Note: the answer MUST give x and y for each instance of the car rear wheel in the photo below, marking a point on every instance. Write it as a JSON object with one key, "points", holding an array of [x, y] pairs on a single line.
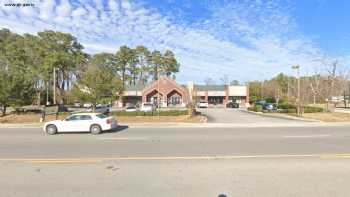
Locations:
{"points": [[51, 129], [95, 129]]}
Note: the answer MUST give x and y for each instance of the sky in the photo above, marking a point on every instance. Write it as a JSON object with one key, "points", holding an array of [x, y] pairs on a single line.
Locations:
{"points": [[234, 39]]}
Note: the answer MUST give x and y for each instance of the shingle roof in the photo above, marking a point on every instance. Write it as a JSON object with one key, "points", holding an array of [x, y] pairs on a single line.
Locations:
{"points": [[209, 87]]}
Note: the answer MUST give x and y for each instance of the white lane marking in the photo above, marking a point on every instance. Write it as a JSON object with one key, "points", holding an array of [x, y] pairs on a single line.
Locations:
{"points": [[123, 138], [307, 136], [101, 159]]}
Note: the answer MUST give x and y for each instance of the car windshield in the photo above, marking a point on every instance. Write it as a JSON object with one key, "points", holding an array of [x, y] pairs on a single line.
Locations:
{"points": [[147, 105], [130, 108], [102, 116]]}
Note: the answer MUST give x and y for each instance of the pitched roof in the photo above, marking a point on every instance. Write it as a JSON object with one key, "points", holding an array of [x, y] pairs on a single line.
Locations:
{"points": [[209, 87], [137, 87]]}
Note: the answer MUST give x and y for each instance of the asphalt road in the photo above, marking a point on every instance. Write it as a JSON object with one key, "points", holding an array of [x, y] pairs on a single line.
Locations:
{"points": [[278, 161]]}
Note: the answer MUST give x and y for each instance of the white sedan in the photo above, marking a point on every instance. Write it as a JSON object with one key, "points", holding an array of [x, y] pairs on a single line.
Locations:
{"points": [[93, 122]]}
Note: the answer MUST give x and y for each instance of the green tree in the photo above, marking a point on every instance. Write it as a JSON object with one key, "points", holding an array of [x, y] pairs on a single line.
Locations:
{"points": [[170, 64], [125, 57], [143, 58], [106, 60], [15, 90], [282, 81], [97, 85], [16, 87], [157, 64], [63, 52], [254, 91], [34, 61], [234, 83]]}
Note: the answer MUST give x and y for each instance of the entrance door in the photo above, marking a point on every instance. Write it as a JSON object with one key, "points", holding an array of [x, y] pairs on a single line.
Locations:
{"points": [[174, 99]]}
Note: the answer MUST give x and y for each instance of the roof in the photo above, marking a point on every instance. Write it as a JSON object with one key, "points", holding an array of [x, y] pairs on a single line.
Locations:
{"points": [[137, 87], [209, 87]]}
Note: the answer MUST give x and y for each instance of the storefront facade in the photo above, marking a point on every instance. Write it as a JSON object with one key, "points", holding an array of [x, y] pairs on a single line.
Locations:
{"points": [[171, 94]]}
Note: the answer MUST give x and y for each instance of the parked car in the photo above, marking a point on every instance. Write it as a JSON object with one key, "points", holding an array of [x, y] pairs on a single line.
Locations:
{"points": [[269, 106], [87, 105], [77, 104], [92, 122], [147, 107], [102, 105], [100, 109], [260, 102], [131, 109], [203, 104], [232, 105]]}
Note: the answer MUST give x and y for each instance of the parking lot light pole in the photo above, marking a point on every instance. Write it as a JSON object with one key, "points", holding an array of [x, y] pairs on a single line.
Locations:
{"points": [[297, 68]]}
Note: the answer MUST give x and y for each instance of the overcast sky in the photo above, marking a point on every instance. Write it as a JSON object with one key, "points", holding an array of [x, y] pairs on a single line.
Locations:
{"points": [[243, 39]]}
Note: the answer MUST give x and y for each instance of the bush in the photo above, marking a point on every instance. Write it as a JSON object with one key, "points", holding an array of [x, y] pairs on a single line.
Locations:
{"points": [[309, 109], [256, 108], [292, 111], [259, 108], [290, 108], [286, 106], [270, 100]]}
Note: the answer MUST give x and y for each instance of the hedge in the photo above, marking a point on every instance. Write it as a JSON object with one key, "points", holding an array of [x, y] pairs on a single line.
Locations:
{"points": [[309, 109], [286, 106], [256, 108], [154, 113]]}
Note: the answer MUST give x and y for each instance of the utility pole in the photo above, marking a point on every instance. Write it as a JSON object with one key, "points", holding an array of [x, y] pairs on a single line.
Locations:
{"points": [[262, 90], [158, 87], [288, 89], [47, 93], [297, 68], [54, 86], [348, 94]]}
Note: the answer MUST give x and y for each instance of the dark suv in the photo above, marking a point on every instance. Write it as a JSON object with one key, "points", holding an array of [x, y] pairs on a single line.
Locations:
{"points": [[232, 105]]}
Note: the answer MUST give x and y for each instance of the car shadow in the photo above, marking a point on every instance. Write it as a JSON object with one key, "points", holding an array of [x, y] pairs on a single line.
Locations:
{"points": [[120, 128]]}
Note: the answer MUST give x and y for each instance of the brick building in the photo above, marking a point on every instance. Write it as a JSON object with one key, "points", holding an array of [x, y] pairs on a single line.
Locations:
{"points": [[172, 94]]}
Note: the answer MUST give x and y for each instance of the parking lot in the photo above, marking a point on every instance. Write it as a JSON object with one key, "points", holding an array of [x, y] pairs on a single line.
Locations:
{"points": [[229, 115]]}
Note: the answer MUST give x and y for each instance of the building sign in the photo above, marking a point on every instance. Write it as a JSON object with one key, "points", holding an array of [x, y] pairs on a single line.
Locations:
{"points": [[130, 93], [138, 93], [216, 93], [200, 93], [238, 91]]}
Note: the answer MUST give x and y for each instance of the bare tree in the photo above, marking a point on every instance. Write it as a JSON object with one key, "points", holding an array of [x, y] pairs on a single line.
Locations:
{"points": [[314, 82], [225, 80], [209, 81]]}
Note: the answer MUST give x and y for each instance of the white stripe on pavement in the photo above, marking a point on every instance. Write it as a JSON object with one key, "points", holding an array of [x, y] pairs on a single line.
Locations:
{"points": [[123, 138], [307, 136]]}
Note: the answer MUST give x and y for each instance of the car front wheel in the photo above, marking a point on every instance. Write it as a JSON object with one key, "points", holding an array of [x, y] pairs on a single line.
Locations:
{"points": [[51, 129], [95, 129]]}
